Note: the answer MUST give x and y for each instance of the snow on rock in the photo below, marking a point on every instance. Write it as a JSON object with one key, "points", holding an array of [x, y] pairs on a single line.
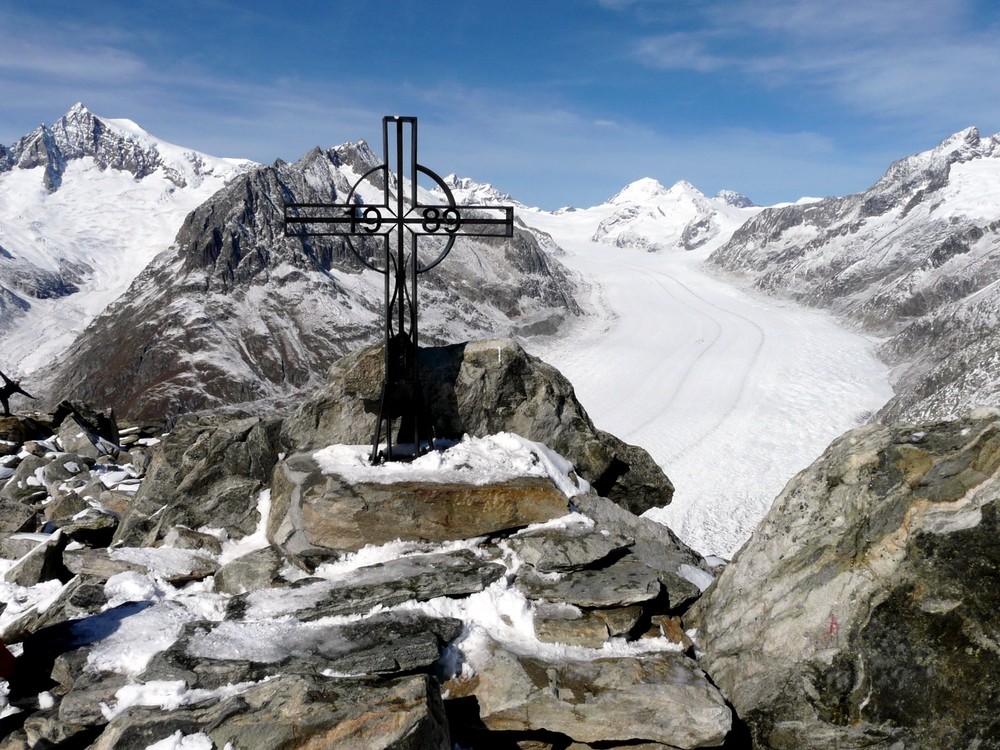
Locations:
{"points": [[487, 460], [147, 627]]}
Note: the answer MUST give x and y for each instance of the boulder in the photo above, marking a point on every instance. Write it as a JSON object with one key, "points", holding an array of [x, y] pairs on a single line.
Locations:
{"points": [[567, 548], [211, 655], [99, 427], [482, 388], [314, 514], [43, 563], [561, 623], [208, 472], [625, 582], [655, 697], [256, 570], [300, 711], [26, 485], [862, 611], [677, 566]]}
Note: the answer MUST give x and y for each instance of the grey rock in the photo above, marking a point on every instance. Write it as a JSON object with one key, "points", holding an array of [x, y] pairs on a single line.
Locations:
{"points": [[46, 728], [65, 504], [36, 617], [252, 572], [74, 438], [565, 549], [26, 485], [421, 577], [16, 546], [209, 471], [658, 697], [210, 655], [655, 545], [481, 388], [625, 582], [588, 628], [314, 515], [862, 609], [96, 563], [176, 566], [16, 517], [405, 713], [92, 527], [65, 466], [181, 537], [81, 705], [43, 563]]}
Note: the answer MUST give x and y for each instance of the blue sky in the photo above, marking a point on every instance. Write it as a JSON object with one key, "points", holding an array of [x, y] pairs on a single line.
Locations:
{"points": [[554, 101]]}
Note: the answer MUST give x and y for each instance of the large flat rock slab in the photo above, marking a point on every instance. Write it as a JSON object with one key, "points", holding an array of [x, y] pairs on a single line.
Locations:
{"points": [[315, 514], [418, 577], [300, 711]]}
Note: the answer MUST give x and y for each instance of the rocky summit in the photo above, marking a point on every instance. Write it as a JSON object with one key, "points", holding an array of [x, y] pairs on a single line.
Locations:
{"points": [[250, 581]]}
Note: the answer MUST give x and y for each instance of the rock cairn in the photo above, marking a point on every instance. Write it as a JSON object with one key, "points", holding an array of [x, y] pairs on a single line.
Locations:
{"points": [[222, 586]]}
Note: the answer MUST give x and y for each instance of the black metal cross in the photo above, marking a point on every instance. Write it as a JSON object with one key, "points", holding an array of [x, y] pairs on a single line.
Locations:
{"points": [[400, 216]]}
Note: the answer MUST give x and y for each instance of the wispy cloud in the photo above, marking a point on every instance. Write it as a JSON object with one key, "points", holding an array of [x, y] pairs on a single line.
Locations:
{"points": [[891, 58]]}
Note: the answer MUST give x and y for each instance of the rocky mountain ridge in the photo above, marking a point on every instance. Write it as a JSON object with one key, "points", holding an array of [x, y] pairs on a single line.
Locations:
{"points": [[915, 259], [113, 144]]}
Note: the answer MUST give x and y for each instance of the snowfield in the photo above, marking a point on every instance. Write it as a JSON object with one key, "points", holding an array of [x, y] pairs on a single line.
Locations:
{"points": [[730, 392]]}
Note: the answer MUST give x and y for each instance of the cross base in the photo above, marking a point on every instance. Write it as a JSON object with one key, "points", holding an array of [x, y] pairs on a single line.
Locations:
{"points": [[403, 399]]}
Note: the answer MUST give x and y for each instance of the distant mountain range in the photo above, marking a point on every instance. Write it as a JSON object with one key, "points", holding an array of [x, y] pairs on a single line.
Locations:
{"points": [[156, 278]]}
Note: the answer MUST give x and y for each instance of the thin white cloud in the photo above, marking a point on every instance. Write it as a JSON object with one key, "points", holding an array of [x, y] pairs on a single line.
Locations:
{"points": [[893, 58]]}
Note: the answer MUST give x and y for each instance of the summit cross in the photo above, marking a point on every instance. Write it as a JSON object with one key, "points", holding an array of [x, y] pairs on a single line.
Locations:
{"points": [[400, 220]]}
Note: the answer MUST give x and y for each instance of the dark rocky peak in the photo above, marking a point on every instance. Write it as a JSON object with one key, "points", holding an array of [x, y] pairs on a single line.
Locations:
{"points": [[359, 157], [734, 199], [76, 135], [236, 236], [322, 171], [39, 149], [79, 133]]}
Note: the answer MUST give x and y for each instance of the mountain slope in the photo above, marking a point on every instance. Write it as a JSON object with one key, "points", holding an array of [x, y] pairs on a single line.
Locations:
{"points": [[84, 206], [235, 311], [914, 258]]}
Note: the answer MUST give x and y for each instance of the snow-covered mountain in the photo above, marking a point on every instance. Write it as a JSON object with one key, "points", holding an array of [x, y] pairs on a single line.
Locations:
{"points": [[645, 215], [84, 206], [915, 258], [234, 310]]}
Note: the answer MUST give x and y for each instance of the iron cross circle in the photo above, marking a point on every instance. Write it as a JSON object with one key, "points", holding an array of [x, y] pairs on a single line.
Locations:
{"points": [[398, 214]]}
